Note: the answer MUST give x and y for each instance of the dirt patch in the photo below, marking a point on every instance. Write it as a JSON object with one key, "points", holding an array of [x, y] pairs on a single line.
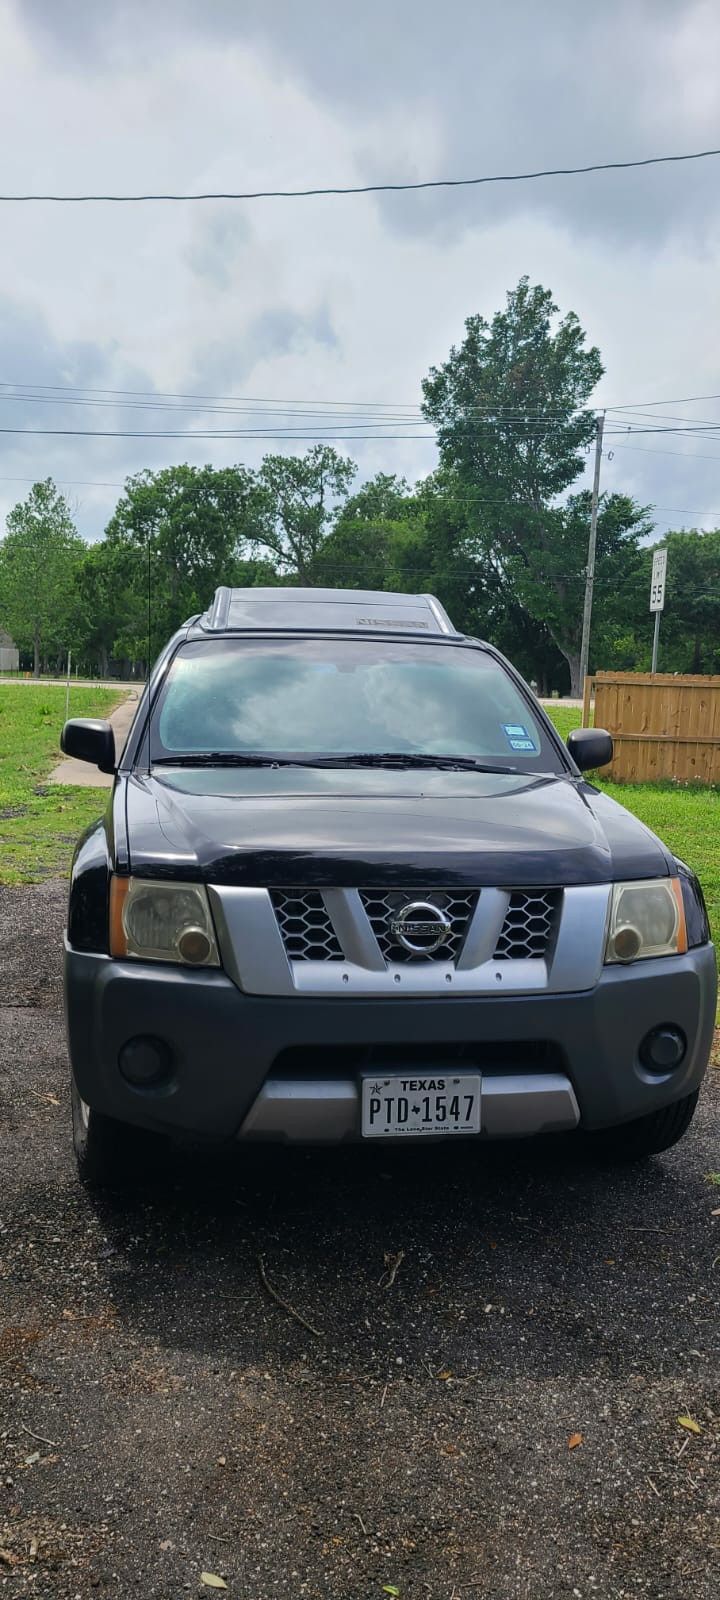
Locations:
{"points": [[31, 922], [44, 1544], [15, 1344]]}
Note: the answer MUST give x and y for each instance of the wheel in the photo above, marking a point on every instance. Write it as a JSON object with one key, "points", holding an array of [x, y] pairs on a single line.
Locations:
{"points": [[109, 1154], [634, 1141]]}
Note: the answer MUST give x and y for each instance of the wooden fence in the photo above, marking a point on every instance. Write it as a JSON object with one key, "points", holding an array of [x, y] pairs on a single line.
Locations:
{"points": [[663, 726]]}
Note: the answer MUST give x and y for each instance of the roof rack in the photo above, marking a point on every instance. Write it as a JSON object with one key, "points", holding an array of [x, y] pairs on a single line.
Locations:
{"points": [[337, 610]]}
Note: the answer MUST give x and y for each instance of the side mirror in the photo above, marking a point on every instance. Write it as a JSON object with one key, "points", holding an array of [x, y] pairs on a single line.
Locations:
{"points": [[89, 739], [590, 747]]}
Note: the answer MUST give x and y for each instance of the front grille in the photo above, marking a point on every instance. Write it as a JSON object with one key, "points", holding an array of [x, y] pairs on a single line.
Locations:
{"points": [[307, 932], [348, 1060], [529, 925], [382, 908]]}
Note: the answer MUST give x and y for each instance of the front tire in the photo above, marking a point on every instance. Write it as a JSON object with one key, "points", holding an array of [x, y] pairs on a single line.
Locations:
{"points": [[109, 1154], [648, 1136]]}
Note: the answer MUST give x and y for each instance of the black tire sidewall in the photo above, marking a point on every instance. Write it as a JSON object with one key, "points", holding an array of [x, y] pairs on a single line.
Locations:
{"points": [[648, 1136]]}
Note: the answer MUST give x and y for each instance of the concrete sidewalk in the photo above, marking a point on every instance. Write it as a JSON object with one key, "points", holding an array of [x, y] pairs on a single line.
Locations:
{"points": [[80, 773]]}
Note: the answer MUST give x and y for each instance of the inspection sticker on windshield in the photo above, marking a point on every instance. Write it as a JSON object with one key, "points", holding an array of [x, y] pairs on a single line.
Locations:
{"points": [[518, 737]]}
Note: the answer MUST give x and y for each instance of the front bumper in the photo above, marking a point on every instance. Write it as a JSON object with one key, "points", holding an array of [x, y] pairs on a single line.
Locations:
{"points": [[288, 1068]]}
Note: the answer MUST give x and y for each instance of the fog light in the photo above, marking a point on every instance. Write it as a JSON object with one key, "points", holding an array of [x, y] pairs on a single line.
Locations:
{"points": [[663, 1049], [626, 944], [145, 1062], [194, 946]]}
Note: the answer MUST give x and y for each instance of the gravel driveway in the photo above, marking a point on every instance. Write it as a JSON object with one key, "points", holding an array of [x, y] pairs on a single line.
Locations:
{"points": [[488, 1406]]}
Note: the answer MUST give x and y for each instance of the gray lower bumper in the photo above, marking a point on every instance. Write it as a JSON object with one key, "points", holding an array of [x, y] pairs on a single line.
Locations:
{"points": [[246, 1065], [318, 1111]]}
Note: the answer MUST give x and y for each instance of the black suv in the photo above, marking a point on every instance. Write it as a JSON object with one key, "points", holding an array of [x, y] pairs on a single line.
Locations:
{"points": [[351, 885]]}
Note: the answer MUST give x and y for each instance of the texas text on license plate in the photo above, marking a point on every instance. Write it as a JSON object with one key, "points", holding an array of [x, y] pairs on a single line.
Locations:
{"points": [[409, 1106]]}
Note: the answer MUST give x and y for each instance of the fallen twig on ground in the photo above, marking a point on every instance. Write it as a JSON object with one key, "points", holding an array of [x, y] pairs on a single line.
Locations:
{"points": [[285, 1304], [53, 1443], [392, 1267]]}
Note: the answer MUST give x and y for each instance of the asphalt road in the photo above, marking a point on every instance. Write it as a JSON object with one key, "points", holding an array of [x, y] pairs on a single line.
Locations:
{"points": [[162, 1416]]}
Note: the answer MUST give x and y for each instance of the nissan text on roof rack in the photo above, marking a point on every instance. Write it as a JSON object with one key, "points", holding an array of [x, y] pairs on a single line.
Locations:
{"points": [[350, 885]]}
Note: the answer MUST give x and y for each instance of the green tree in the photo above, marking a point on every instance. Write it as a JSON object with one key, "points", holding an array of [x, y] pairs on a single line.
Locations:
{"points": [[473, 582], [510, 409], [391, 537], [191, 524], [384, 498], [110, 608], [377, 539], [555, 595], [690, 623], [39, 558], [302, 496]]}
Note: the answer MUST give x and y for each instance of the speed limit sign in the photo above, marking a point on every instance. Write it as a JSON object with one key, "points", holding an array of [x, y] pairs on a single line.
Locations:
{"points": [[657, 581]]}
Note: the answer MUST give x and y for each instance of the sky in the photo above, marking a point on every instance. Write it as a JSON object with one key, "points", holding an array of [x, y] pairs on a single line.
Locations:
{"points": [[347, 299]]}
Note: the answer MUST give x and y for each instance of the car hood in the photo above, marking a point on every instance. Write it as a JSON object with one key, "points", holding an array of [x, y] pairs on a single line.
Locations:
{"points": [[363, 826]]}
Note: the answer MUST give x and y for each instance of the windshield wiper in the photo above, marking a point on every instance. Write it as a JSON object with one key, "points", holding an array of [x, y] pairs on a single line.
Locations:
{"points": [[392, 760], [223, 758], [396, 760]]}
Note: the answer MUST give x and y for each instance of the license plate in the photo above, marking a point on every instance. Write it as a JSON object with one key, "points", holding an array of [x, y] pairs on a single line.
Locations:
{"points": [[408, 1107]]}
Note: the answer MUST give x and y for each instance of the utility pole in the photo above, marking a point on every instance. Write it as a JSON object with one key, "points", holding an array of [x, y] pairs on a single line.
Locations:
{"points": [[590, 572]]}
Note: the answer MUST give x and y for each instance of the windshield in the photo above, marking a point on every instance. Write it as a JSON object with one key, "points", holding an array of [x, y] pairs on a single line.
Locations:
{"points": [[338, 697]]}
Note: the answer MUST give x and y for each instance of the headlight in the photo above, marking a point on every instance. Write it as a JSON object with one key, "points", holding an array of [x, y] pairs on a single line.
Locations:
{"points": [[696, 917], [646, 919], [162, 922]]}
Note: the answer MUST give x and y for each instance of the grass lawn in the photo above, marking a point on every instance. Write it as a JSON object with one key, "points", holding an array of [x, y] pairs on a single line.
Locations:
{"points": [[687, 820], [39, 826], [565, 718]]}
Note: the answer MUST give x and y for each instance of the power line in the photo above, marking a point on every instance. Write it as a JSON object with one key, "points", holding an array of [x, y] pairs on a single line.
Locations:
{"points": [[686, 455], [623, 415], [365, 188], [683, 400], [533, 432], [81, 392], [282, 404], [352, 420], [67, 483], [189, 436], [348, 433], [127, 400], [166, 394], [367, 429], [698, 430], [355, 418]]}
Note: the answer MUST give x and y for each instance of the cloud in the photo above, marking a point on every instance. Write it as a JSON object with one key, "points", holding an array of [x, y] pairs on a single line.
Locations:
{"points": [[354, 298], [496, 88], [217, 250], [224, 365]]}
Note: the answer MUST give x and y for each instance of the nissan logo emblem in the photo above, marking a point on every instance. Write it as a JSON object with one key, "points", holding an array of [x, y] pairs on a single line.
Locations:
{"points": [[420, 928]]}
